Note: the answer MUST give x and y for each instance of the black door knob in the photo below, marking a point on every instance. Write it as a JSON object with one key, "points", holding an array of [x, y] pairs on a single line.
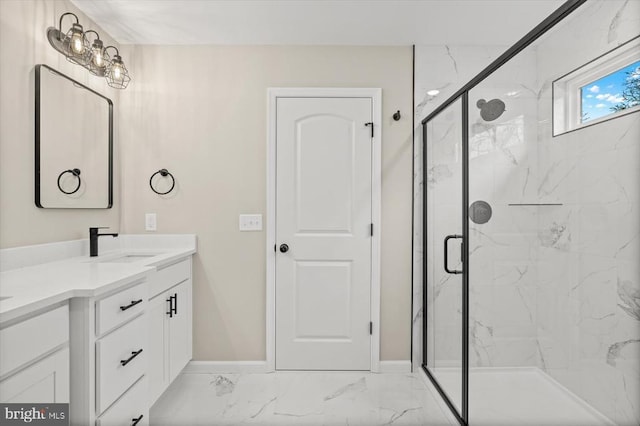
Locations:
{"points": [[284, 248]]}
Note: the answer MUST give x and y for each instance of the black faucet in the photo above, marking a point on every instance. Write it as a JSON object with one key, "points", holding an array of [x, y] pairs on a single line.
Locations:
{"points": [[93, 240]]}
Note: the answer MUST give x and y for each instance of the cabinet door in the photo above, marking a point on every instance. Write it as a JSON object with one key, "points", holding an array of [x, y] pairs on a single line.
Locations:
{"points": [[157, 361], [180, 329], [46, 381]]}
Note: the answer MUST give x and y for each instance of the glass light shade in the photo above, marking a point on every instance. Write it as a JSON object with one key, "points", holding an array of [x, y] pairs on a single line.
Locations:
{"points": [[77, 46], [99, 58], [117, 74]]}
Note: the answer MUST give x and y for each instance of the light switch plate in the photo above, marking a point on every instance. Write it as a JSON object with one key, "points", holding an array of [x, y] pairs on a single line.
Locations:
{"points": [[150, 222], [250, 222]]}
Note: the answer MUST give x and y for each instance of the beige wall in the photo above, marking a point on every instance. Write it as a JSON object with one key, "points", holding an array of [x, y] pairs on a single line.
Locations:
{"points": [[201, 113], [23, 44]]}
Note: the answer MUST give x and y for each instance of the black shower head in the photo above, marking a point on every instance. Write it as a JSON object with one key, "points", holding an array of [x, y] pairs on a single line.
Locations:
{"points": [[491, 110]]}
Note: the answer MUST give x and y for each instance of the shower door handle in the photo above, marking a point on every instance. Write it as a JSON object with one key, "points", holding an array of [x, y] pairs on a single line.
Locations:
{"points": [[446, 254]]}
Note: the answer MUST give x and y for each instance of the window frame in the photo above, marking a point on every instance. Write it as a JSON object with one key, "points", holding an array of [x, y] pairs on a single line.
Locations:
{"points": [[567, 90]]}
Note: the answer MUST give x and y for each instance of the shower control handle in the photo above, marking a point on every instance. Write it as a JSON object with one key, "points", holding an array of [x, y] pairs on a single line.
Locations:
{"points": [[446, 253]]}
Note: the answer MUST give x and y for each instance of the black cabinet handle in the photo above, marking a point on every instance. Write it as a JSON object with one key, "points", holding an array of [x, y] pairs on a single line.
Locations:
{"points": [[170, 300], [175, 303], [130, 305], [128, 360], [134, 422]]}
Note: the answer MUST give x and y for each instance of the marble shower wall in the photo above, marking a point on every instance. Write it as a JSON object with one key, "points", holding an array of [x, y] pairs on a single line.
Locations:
{"points": [[502, 263], [554, 287], [588, 254], [444, 291], [446, 69]]}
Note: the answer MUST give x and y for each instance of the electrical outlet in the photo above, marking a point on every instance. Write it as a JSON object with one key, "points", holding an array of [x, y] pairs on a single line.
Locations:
{"points": [[150, 222], [250, 222]]}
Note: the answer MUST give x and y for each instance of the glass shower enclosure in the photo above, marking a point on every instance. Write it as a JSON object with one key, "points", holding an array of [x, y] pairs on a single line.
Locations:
{"points": [[532, 224]]}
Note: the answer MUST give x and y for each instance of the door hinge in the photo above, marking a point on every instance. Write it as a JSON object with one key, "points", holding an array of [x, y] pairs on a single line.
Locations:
{"points": [[370, 124], [371, 328], [372, 229]]}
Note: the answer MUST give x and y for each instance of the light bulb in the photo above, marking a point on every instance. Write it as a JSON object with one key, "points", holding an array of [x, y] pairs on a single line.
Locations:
{"points": [[98, 59], [77, 46], [117, 72], [97, 56]]}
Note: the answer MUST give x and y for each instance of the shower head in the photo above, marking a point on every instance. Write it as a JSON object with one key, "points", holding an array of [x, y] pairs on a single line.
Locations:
{"points": [[491, 110]]}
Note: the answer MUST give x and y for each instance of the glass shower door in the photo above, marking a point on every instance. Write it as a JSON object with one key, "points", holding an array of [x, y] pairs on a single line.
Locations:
{"points": [[443, 177]]}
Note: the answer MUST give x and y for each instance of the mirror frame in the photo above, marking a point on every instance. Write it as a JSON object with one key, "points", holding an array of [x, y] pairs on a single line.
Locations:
{"points": [[38, 159]]}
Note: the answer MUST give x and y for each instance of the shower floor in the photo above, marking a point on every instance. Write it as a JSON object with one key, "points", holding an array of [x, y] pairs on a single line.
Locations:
{"points": [[522, 396]]}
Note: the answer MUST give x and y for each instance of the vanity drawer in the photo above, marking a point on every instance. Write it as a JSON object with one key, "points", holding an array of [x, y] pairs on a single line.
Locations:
{"points": [[120, 361], [167, 277], [120, 307], [33, 337], [126, 410]]}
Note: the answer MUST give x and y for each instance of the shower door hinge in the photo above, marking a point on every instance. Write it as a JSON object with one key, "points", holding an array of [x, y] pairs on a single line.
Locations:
{"points": [[371, 229], [370, 328], [370, 124]]}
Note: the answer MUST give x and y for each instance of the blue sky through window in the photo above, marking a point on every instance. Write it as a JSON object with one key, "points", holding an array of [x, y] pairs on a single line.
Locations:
{"points": [[598, 97]]}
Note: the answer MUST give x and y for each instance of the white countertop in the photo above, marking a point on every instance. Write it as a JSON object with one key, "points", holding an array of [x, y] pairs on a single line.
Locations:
{"points": [[35, 287]]}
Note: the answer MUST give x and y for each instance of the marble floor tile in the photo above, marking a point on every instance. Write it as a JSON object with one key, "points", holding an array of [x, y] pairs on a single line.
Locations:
{"points": [[299, 398]]}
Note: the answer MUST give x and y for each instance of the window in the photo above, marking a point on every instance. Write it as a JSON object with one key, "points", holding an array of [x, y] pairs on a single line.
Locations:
{"points": [[613, 93], [605, 88]]}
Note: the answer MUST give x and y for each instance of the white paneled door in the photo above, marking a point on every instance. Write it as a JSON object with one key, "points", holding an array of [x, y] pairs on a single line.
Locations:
{"points": [[323, 233]]}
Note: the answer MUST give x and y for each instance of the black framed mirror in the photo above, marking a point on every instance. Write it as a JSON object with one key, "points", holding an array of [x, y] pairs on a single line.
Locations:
{"points": [[73, 143]]}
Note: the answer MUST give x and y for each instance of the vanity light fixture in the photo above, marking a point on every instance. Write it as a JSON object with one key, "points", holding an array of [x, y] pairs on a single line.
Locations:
{"points": [[93, 56], [116, 73], [73, 44]]}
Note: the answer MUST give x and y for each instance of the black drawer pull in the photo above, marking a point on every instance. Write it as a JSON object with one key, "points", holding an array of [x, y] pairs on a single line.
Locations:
{"points": [[175, 303], [170, 300], [130, 305], [134, 422], [133, 355]]}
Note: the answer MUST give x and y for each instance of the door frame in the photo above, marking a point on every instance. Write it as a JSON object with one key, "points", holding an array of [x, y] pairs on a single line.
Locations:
{"points": [[375, 94]]}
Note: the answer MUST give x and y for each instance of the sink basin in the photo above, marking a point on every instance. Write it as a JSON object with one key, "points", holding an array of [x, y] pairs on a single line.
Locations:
{"points": [[5, 297], [129, 258]]}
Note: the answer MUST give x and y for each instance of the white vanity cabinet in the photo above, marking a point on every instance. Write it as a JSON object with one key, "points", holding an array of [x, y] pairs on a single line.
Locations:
{"points": [[107, 335], [34, 358], [109, 352], [169, 325]]}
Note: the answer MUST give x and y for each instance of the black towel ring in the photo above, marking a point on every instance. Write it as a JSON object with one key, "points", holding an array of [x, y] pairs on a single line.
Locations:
{"points": [[163, 173], [76, 173]]}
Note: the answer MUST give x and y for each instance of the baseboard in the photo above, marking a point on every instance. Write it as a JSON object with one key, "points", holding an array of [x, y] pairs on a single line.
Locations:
{"points": [[217, 367], [403, 366]]}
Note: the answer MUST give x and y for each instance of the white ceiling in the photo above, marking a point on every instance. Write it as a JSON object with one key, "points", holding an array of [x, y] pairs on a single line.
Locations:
{"points": [[313, 22]]}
